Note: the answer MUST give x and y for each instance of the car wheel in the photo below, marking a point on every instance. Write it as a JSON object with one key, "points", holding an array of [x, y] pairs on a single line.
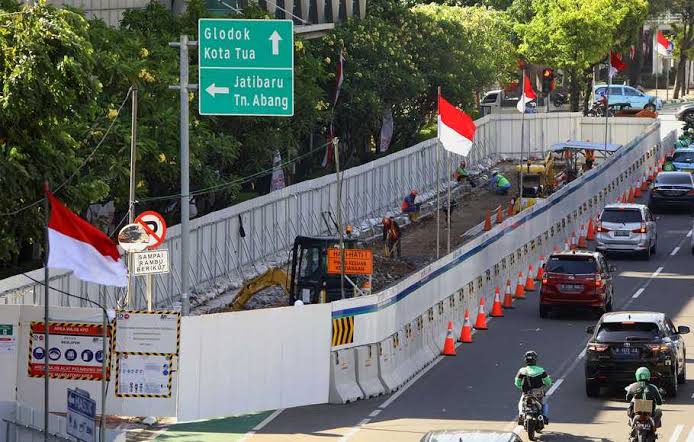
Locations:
{"points": [[608, 306], [688, 117], [650, 107], [682, 378], [592, 389], [653, 247], [646, 254], [671, 386], [692, 250], [544, 311]]}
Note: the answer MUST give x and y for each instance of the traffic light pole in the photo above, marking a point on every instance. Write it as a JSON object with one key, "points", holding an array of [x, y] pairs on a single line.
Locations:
{"points": [[184, 87]]}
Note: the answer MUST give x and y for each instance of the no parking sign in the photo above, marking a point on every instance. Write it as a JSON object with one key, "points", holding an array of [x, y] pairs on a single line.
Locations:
{"points": [[154, 225]]}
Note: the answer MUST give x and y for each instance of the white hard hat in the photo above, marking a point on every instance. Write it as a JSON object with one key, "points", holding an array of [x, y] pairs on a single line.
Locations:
{"points": [[298, 302]]}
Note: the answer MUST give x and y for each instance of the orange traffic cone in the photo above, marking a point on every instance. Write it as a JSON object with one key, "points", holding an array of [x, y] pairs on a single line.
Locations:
{"points": [[540, 269], [497, 312], [630, 196], [508, 296], [466, 331], [637, 189], [590, 236], [529, 281], [644, 183], [520, 289], [488, 221], [510, 207], [449, 343], [481, 322], [499, 215], [582, 238]]}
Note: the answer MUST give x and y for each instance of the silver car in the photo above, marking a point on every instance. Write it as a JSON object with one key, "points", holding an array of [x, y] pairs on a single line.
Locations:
{"points": [[627, 228]]}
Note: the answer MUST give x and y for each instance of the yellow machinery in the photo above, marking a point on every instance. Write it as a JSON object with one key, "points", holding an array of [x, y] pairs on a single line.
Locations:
{"points": [[270, 278], [538, 182]]}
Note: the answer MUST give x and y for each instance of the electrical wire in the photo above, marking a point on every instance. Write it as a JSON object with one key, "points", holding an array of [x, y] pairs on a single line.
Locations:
{"points": [[84, 163]]}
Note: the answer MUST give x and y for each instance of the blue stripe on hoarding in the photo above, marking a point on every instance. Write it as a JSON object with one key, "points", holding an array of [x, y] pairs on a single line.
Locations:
{"points": [[372, 308]]}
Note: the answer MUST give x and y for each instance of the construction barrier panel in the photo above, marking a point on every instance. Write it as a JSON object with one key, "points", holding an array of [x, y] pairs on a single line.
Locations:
{"points": [[367, 371], [344, 387]]}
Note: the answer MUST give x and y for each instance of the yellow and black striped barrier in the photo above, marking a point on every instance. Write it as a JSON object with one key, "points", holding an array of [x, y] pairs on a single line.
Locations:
{"points": [[343, 331]]}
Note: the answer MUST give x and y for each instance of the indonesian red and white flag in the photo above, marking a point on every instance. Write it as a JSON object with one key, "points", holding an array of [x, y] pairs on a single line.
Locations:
{"points": [[527, 94], [664, 46], [339, 75], [456, 128], [329, 154], [616, 64], [76, 245]]}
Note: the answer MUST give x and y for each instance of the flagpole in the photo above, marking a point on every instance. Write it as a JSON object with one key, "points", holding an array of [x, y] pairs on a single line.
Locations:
{"points": [[438, 178], [448, 215], [45, 318], [667, 80], [340, 232], [520, 161], [607, 93]]}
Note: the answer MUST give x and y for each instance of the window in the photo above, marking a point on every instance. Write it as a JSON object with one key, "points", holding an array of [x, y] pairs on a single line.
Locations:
{"points": [[600, 90], [627, 331], [621, 216], [674, 178], [629, 92], [310, 262], [670, 327], [490, 98], [573, 265], [683, 157], [616, 90]]}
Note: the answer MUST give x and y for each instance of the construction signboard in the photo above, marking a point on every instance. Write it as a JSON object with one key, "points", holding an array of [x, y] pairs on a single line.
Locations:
{"points": [[76, 350], [143, 376], [148, 333], [357, 261]]}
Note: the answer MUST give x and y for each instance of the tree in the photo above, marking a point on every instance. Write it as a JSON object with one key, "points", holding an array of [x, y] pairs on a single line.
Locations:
{"points": [[575, 35], [684, 41]]}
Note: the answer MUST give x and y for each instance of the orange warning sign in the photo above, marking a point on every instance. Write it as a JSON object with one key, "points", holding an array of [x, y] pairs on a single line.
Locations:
{"points": [[357, 261]]}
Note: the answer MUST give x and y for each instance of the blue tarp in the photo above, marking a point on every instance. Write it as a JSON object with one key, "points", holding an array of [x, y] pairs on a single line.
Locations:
{"points": [[580, 145]]}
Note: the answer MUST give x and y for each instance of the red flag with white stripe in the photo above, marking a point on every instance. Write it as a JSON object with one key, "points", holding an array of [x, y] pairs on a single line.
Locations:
{"points": [[76, 245], [527, 94], [339, 75], [616, 64], [456, 128], [328, 157]]}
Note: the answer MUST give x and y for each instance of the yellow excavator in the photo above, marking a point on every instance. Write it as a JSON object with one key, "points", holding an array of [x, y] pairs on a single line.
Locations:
{"points": [[309, 282], [538, 181]]}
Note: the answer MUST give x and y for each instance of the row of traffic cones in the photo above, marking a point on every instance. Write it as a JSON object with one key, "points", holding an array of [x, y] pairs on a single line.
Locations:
{"points": [[498, 307], [499, 216]]}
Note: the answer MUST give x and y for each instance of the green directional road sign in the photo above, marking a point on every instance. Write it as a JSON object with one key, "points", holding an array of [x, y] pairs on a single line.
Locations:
{"points": [[246, 67]]}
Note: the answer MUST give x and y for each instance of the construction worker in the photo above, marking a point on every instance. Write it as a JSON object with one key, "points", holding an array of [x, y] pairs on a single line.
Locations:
{"points": [[501, 183], [410, 207], [461, 174], [348, 231], [590, 158], [391, 237], [532, 379]]}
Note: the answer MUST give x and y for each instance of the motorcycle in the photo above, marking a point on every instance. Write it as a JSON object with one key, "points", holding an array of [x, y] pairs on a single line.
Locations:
{"points": [[641, 421], [532, 415], [598, 110], [559, 99]]}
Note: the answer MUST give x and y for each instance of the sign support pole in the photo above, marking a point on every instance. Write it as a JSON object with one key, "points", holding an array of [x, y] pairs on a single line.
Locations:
{"points": [[131, 198], [184, 87], [102, 424], [448, 214], [438, 182], [45, 320], [336, 152], [148, 285]]}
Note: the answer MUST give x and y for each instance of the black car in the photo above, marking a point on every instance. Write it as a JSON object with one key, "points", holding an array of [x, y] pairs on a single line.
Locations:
{"points": [[672, 189], [621, 342]]}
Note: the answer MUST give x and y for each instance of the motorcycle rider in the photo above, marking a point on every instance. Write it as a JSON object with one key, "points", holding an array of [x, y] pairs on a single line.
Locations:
{"points": [[532, 379], [643, 389]]}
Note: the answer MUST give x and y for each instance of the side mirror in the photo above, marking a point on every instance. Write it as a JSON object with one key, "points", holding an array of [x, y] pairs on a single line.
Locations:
{"points": [[682, 330], [662, 392], [590, 329], [612, 268], [668, 159]]}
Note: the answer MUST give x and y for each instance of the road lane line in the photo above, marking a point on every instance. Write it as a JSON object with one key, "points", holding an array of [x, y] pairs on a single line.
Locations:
{"points": [[676, 434], [690, 437], [261, 425], [375, 413], [554, 387], [581, 355], [638, 293], [657, 272], [689, 234], [675, 250]]}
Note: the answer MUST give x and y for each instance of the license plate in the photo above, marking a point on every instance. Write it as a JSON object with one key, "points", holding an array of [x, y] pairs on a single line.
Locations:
{"points": [[621, 233], [674, 193], [626, 352], [570, 287]]}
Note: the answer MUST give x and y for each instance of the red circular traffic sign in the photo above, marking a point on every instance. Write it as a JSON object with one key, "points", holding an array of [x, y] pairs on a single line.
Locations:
{"points": [[154, 225]]}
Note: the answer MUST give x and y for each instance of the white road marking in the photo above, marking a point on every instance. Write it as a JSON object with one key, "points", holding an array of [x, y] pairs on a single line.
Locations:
{"points": [[657, 272], [690, 437], [638, 293], [581, 355], [554, 387], [675, 250], [692, 393], [262, 424], [689, 234], [375, 413], [676, 434]]}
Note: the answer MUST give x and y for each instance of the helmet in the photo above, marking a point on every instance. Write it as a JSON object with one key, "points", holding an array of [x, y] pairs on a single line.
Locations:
{"points": [[413, 192], [643, 374], [530, 358], [495, 173]]}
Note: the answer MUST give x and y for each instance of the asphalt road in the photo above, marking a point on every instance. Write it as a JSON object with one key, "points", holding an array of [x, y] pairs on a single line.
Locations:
{"points": [[475, 390]]}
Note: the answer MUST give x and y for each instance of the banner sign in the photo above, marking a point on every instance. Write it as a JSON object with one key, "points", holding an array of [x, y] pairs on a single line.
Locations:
{"points": [[150, 333], [357, 261], [143, 376]]}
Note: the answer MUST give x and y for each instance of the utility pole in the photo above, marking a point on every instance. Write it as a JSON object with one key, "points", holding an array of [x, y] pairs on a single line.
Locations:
{"points": [[183, 87], [340, 229], [131, 198], [438, 181]]}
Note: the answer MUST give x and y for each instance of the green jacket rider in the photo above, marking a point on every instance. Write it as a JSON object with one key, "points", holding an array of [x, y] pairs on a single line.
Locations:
{"points": [[532, 379], [643, 389]]}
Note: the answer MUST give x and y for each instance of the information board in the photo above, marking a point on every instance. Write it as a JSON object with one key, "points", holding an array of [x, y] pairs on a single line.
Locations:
{"points": [[81, 415], [154, 333], [357, 261], [143, 376]]}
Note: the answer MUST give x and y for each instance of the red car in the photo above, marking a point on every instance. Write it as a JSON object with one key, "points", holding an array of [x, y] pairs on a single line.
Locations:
{"points": [[576, 279]]}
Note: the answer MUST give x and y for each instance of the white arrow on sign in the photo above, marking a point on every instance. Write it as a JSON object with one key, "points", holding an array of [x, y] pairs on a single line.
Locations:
{"points": [[275, 37], [212, 90]]}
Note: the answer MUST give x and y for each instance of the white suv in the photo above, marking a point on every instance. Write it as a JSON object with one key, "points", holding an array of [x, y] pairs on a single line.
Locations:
{"points": [[627, 228]]}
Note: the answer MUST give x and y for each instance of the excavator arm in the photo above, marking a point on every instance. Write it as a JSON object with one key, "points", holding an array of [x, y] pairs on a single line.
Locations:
{"points": [[271, 277]]}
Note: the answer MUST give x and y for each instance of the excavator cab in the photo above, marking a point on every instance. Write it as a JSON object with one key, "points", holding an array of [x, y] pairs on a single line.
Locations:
{"points": [[309, 273]]}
